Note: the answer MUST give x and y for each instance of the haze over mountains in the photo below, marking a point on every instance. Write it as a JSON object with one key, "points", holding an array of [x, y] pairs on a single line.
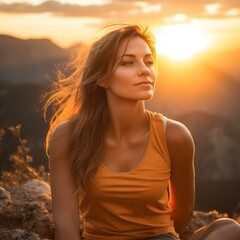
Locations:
{"points": [[27, 61], [203, 93]]}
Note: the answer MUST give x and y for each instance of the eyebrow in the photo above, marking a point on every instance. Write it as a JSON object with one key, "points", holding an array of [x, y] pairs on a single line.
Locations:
{"points": [[132, 55]]}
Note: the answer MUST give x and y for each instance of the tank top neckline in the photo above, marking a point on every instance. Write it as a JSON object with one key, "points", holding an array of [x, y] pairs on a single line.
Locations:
{"points": [[145, 153]]}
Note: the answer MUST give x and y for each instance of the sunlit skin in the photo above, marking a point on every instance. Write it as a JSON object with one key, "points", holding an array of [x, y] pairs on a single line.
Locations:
{"points": [[181, 42], [131, 83], [134, 77]]}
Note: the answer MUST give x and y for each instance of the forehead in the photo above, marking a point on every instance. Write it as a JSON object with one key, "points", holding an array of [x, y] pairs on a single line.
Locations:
{"points": [[135, 45]]}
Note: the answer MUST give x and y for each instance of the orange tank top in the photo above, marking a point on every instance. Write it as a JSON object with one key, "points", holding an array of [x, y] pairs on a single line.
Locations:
{"points": [[132, 205]]}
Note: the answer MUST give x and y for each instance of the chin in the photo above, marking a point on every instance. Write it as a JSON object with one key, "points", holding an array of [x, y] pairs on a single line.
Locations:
{"points": [[147, 95], [147, 98], [139, 96]]}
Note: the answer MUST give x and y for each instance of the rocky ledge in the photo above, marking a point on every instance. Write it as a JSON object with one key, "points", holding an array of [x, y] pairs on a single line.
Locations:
{"points": [[26, 213]]}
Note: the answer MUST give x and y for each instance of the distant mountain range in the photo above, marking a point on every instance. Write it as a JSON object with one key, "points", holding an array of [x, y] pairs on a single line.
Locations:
{"points": [[203, 93], [31, 59], [228, 61], [197, 86]]}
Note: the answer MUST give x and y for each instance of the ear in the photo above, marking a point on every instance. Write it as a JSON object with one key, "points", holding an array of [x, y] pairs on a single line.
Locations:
{"points": [[102, 83]]}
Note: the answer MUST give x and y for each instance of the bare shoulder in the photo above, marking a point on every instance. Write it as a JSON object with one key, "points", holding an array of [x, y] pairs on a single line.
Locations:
{"points": [[60, 139], [177, 132], [179, 140]]}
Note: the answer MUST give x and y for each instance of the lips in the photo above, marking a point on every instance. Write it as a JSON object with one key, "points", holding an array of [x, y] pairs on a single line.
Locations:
{"points": [[144, 82]]}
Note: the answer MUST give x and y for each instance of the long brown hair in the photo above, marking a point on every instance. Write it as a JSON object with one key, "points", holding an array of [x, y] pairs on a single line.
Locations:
{"points": [[81, 101]]}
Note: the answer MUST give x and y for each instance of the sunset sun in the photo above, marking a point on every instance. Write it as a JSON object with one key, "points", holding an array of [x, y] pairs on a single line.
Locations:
{"points": [[181, 42]]}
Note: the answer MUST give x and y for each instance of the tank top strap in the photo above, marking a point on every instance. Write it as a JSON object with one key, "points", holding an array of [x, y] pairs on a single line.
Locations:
{"points": [[160, 116], [159, 126], [165, 122]]}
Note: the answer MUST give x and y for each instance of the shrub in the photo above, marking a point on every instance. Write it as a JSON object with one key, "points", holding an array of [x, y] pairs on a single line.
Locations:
{"points": [[21, 169]]}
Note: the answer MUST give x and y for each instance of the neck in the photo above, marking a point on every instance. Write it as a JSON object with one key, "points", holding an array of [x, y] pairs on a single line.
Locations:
{"points": [[126, 119]]}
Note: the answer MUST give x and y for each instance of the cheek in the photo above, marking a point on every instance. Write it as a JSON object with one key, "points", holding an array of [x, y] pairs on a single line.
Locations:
{"points": [[121, 78], [120, 84], [154, 74]]}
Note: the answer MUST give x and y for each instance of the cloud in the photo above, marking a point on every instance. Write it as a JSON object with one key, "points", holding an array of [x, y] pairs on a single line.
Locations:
{"points": [[152, 11], [73, 10], [213, 8], [233, 12]]}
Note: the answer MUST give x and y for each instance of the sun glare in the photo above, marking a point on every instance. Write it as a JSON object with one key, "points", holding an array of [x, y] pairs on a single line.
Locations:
{"points": [[181, 42]]}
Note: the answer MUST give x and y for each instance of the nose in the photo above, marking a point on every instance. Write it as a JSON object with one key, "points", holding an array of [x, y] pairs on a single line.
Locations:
{"points": [[144, 70]]}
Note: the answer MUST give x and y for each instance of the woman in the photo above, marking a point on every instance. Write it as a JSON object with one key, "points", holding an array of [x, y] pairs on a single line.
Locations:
{"points": [[129, 172]]}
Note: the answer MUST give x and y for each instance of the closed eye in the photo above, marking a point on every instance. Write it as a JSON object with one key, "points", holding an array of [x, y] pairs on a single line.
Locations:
{"points": [[149, 63], [124, 63]]}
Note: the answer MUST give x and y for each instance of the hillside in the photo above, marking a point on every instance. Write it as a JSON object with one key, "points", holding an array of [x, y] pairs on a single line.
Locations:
{"points": [[19, 52], [28, 61]]}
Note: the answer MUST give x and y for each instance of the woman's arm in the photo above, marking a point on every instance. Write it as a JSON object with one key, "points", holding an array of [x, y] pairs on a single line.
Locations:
{"points": [[182, 183], [64, 202]]}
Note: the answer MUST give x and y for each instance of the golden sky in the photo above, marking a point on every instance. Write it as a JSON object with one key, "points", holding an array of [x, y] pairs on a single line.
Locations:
{"points": [[177, 24]]}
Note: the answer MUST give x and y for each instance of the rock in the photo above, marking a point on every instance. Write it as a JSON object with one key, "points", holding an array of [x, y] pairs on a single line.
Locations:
{"points": [[37, 187], [200, 219], [19, 234], [35, 217], [5, 234], [4, 194], [6, 203], [32, 190], [29, 211]]}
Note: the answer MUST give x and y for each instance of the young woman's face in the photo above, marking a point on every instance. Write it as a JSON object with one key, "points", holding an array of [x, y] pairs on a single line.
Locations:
{"points": [[134, 76]]}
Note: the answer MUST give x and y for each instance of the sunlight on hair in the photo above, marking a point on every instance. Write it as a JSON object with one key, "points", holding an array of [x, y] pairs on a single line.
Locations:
{"points": [[181, 42]]}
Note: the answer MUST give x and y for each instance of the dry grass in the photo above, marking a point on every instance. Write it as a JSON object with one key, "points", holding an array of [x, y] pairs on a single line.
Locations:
{"points": [[21, 169]]}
